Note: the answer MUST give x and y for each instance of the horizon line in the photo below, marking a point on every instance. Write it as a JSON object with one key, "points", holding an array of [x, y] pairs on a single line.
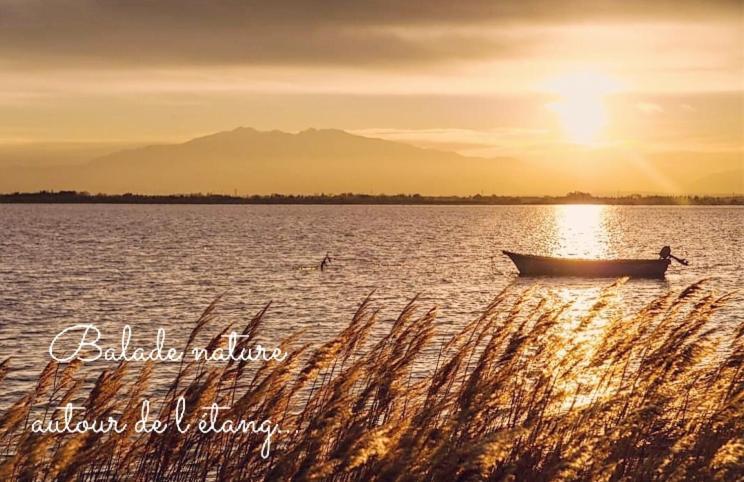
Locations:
{"points": [[350, 198]]}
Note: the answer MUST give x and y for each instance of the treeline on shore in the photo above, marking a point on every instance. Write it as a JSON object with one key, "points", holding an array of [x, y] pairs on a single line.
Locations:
{"points": [[82, 197]]}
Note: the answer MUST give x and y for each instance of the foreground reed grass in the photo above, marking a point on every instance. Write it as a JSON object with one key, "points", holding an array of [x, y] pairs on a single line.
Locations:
{"points": [[527, 391]]}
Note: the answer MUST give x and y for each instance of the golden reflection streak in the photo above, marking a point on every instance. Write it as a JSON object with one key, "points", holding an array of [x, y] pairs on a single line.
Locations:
{"points": [[580, 231], [584, 329]]}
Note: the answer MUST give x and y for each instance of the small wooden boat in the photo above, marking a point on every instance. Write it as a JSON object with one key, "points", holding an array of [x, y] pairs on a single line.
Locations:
{"points": [[531, 265]]}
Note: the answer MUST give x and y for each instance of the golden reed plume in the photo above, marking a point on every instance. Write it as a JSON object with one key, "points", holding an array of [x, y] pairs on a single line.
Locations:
{"points": [[518, 394]]}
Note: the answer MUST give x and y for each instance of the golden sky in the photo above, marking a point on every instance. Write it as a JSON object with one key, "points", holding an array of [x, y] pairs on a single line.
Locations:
{"points": [[534, 79]]}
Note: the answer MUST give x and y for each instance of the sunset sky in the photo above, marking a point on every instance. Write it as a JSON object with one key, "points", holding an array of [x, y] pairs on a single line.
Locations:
{"points": [[526, 79]]}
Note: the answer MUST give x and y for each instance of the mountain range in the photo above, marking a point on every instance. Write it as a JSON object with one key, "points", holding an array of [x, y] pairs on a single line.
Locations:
{"points": [[248, 161]]}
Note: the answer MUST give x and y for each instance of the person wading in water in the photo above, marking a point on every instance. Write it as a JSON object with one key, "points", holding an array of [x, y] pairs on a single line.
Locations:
{"points": [[326, 261]]}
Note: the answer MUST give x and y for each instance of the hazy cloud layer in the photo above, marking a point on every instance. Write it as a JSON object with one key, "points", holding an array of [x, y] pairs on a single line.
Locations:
{"points": [[478, 77], [87, 33]]}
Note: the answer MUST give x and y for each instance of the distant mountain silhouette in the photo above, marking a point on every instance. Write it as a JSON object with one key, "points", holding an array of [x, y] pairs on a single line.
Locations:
{"points": [[331, 161], [252, 161]]}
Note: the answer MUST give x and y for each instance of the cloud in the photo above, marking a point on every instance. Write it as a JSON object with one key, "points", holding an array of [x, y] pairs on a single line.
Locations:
{"points": [[187, 32], [135, 69], [501, 142], [649, 108]]}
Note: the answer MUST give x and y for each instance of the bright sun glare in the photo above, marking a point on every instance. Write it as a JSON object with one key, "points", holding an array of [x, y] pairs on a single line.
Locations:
{"points": [[581, 231], [580, 106]]}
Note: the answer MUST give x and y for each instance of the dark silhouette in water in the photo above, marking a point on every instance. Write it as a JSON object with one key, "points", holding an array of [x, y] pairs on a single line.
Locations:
{"points": [[666, 252], [532, 265], [326, 261]]}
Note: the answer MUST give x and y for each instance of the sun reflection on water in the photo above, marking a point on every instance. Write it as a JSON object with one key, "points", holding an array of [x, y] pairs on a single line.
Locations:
{"points": [[581, 231], [583, 330]]}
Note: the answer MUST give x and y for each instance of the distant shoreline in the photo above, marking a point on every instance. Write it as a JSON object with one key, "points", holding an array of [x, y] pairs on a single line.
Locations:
{"points": [[74, 197]]}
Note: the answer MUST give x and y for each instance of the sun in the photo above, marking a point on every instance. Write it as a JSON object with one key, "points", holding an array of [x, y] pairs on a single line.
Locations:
{"points": [[580, 105]]}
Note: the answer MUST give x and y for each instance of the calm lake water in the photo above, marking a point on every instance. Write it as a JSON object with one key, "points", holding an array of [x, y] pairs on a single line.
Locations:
{"points": [[152, 266]]}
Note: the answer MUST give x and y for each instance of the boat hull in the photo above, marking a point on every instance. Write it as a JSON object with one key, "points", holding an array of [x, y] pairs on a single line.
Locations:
{"points": [[530, 265]]}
